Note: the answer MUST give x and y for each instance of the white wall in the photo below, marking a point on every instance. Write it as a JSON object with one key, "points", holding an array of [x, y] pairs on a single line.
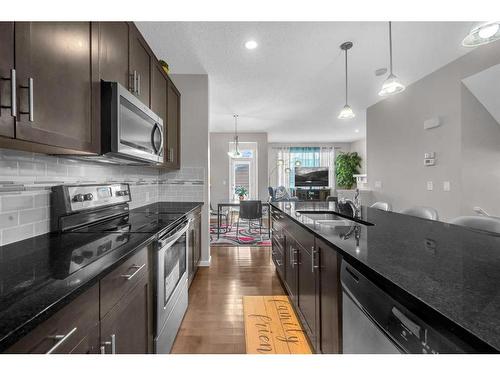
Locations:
{"points": [[397, 141], [219, 164], [360, 147], [194, 150]]}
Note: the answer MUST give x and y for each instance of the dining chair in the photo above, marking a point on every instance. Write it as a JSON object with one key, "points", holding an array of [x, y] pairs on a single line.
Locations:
{"points": [[250, 210], [487, 223], [422, 212], [384, 206]]}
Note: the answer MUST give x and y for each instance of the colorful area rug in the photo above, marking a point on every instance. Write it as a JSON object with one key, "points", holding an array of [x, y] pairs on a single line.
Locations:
{"points": [[246, 237], [272, 327]]}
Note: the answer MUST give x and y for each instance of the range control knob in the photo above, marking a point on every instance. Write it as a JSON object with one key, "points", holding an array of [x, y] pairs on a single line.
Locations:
{"points": [[122, 193], [78, 198], [88, 197]]}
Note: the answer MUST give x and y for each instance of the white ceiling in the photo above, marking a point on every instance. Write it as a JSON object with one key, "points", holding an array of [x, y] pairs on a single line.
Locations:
{"points": [[292, 85]]}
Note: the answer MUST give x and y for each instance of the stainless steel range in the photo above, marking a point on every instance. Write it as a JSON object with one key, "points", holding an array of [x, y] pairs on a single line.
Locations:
{"points": [[104, 209]]}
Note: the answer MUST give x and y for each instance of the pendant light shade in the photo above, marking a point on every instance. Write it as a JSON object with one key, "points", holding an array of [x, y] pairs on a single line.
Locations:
{"points": [[236, 151], [346, 112], [392, 85], [483, 34]]}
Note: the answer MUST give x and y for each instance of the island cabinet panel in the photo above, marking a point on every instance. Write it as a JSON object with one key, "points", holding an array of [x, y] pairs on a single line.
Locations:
{"points": [[291, 267], [308, 291], [331, 299], [140, 65], [56, 70], [173, 127], [127, 328], [73, 329], [114, 52], [7, 92]]}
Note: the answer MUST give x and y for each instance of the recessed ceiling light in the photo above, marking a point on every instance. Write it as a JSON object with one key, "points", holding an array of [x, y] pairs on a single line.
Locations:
{"points": [[251, 44], [356, 131]]}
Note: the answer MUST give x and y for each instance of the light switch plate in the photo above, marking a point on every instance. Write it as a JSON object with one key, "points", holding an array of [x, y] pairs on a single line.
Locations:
{"points": [[430, 186], [446, 186]]}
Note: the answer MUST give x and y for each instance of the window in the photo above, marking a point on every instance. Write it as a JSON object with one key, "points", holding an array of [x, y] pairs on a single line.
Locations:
{"points": [[306, 156]]}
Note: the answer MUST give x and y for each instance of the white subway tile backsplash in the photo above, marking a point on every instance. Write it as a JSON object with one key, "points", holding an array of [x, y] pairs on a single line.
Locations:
{"points": [[17, 202], [9, 219], [18, 233], [26, 179], [33, 215]]}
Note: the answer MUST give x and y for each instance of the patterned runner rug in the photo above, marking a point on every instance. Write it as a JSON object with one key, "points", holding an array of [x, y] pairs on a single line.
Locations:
{"points": [[246, 237]]}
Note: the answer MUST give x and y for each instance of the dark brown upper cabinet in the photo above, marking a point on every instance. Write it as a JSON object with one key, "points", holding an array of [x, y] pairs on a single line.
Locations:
{"points": [[159, 95], [114, 52], [173, 127], [139, 66], [7, 77], [55, 65]]}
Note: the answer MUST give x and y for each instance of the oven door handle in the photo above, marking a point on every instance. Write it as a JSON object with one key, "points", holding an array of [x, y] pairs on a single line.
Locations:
{"points": [[167, 242]]}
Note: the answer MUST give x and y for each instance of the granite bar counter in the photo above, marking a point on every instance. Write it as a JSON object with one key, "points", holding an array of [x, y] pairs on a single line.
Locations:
{"points": [[449, 273]]}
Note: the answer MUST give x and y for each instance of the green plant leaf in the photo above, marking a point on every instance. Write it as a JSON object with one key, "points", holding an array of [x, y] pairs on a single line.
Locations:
{"points": [[346, 165]]}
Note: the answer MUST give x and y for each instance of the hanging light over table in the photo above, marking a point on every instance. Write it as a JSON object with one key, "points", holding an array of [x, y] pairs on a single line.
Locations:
{"points": [[346, 112]]}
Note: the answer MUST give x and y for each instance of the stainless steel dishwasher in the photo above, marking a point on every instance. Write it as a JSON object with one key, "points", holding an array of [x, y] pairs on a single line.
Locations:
{"points": [[375, 323]]}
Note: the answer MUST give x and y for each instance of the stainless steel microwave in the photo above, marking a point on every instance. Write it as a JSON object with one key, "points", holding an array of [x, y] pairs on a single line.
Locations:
{"points": [[131, 133]]}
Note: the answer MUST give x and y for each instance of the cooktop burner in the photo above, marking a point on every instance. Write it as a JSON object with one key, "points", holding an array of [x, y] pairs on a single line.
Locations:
{"points": [[133, 222]]}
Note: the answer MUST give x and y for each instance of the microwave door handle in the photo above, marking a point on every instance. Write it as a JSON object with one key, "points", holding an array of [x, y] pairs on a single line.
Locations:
{"points": [[161, 139], [153, 131]]}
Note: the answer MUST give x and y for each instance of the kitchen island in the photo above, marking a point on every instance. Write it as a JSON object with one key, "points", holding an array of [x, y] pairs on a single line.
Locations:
{"points": [[446, 274]]}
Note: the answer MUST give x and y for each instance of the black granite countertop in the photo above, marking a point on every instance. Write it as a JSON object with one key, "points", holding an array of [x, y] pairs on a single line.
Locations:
{"points": [[40, 275], [447, 272]]}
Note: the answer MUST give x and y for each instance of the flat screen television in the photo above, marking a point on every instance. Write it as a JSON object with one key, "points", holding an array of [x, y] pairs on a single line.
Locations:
{"points": [[311, 176]]}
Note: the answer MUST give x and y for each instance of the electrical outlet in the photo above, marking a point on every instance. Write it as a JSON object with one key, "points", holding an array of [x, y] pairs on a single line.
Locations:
{"points": [[430, 186], [446, 186]]}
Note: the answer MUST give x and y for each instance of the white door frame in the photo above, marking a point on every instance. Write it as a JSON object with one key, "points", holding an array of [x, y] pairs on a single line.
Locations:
{"points": [[253, 170]]}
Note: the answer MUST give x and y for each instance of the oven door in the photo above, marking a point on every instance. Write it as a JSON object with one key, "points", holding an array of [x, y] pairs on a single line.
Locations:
{"points": [[171, 270], [136, 131]]}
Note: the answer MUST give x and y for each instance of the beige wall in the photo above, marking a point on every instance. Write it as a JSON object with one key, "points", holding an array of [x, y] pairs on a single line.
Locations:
{"points": [[195, 144], [219, 164], [397, 141]]}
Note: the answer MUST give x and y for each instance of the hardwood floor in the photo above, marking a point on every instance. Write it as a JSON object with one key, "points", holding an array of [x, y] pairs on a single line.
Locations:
{"points": [[213, 323]]}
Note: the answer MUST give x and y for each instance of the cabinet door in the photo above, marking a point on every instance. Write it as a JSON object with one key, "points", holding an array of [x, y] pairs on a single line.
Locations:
{"points": [[7, 119], [173, 127], [127, 328], [113, 52], [140, 66], [197, 247], [56, 64], [331, 299], [291, 275], [308, 300], [159, 92]]}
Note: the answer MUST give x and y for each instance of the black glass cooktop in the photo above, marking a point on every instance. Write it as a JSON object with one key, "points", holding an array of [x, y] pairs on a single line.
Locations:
{"points": [[167, 208], [134, 222]]}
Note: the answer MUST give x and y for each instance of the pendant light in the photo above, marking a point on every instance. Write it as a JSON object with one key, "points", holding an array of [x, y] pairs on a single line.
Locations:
{"points": [[346, 112], [236, 152], [392, 85], [482, 34]]}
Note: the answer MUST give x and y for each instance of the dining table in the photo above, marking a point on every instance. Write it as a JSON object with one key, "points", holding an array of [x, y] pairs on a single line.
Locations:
{"points": [[232, 204]]}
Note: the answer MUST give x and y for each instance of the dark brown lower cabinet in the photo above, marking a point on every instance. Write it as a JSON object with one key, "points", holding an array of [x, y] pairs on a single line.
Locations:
{"points": [[73, 329], [308, 292], [291, 274], [126, 329], [331, 299]]}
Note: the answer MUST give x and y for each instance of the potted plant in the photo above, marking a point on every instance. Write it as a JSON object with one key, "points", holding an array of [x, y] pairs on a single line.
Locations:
{"points": [[241, 191], [346, 165]]}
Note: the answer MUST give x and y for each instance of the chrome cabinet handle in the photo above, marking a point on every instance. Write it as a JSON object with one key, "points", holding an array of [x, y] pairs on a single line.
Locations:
{"points": [[134, 82], [61, 339], [137, 270], [171, 154], [13, 96], [138, 84], [312, 259], [112, 343]]}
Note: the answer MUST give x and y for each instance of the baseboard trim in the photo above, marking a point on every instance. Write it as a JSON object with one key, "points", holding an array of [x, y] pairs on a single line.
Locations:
{"points": [[205, 263]]}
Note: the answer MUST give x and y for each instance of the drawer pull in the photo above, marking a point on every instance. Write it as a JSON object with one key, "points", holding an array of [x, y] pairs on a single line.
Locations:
{"points": [[60, 340], [137, 270]]}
